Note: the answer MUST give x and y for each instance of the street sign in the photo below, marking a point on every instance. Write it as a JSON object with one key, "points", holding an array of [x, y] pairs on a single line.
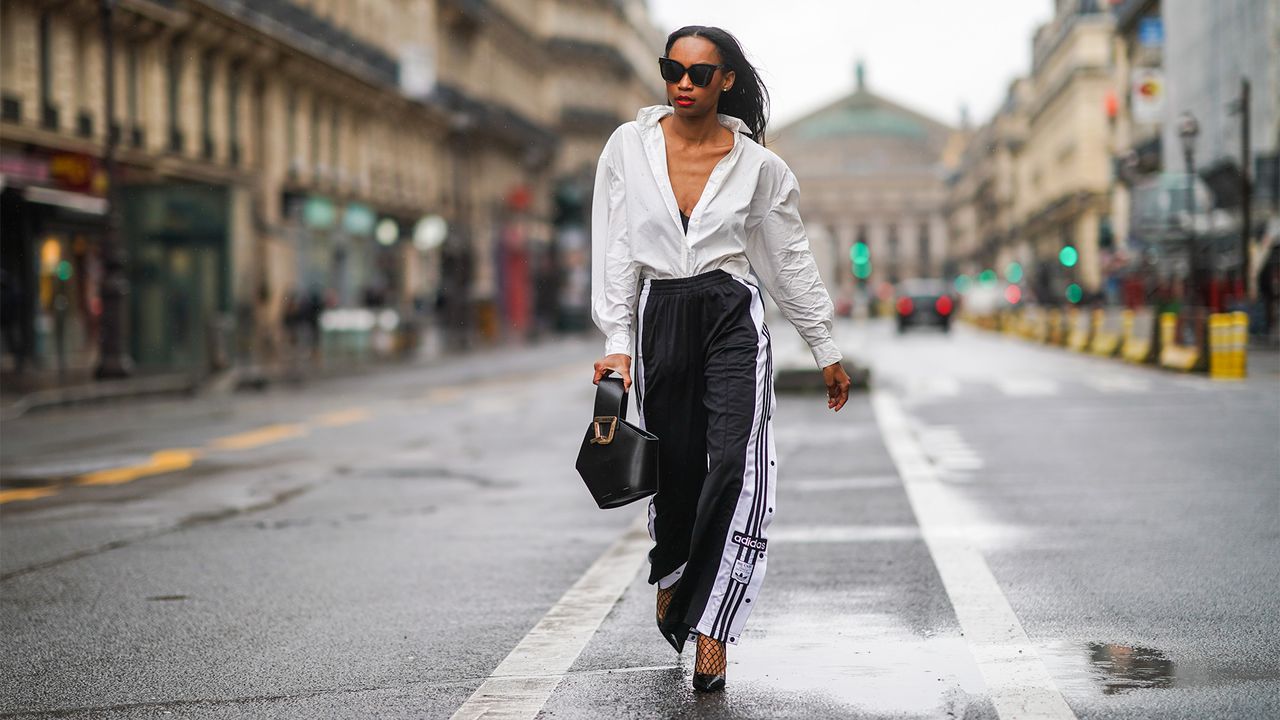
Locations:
{"points": [[1151, 32], [1146, 95]]}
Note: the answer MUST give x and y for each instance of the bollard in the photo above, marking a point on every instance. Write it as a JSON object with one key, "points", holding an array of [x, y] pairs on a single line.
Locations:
{"points": [[1177, 356], [1078, 324], [1139, 345], [1228, 345], [1219, 346], [1239, 334], [1057, 331], [1110, 327]]}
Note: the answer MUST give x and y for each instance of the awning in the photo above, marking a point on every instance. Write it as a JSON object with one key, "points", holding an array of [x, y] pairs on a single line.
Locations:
{"points": [[77, 202]]}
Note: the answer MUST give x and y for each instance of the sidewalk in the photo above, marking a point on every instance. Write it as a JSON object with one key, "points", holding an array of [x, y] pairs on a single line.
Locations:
{"points": [[1263, 361], [40, 391]]}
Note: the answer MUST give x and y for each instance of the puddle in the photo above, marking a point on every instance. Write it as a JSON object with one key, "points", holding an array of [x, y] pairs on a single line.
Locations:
{"points": [[1114, 668], [865, 661], [1119, 668]]}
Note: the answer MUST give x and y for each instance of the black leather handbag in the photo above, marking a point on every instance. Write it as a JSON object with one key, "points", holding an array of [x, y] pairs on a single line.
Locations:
{"points": [[618, 461]]}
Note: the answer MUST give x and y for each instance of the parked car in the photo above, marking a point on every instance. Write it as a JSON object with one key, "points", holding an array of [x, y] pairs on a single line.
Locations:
{"points": [[923, 302]]}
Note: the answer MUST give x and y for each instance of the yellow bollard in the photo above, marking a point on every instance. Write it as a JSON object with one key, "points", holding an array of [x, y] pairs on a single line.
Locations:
{"points": [[1220, 354], [1240, 334]]}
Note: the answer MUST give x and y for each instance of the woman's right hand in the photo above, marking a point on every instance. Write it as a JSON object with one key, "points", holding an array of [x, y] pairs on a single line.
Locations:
{"points": [[617, 362]]}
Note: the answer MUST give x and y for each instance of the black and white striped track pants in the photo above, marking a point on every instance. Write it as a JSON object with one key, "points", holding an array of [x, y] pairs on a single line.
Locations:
{"points": [[704, 385]]}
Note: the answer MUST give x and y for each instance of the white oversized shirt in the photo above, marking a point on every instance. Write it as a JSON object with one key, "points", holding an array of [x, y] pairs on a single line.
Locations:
{"points": [[747, 219]]}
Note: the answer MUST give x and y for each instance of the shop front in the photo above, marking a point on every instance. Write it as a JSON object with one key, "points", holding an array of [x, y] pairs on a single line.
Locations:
{"points": [[179, 272], [53, 217]]}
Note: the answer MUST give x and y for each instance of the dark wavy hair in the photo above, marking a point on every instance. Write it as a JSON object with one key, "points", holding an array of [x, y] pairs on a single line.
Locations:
{"points": [[748, 99]]}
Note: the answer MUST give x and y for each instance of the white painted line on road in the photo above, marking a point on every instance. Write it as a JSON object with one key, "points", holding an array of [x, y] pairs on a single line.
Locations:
{"points": [[1027, 387], [1016, 677], [521, 684], [843, 534], [1119, 384], [855, 483]]}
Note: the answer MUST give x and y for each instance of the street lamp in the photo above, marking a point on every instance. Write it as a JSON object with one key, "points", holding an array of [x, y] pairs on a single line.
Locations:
{"points": [[1188, 130], [113, 361]]}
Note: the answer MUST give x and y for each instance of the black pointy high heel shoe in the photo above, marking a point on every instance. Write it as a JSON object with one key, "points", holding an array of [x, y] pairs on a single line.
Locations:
{"points": [[709, 667]]}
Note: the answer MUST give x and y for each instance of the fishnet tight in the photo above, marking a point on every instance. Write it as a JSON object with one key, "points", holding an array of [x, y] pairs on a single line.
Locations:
{"points": [[664, 600], [711, 658]]}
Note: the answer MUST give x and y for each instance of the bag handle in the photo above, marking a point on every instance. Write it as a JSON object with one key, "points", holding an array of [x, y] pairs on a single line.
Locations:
{"points": [[611, 397], [611, 408]]}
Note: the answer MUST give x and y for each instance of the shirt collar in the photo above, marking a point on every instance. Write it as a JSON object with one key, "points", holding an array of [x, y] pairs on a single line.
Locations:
{"points": [[649, 116]]}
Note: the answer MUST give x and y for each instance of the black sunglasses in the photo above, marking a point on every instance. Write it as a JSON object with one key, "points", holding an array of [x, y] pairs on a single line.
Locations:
{"points": [[699, 74]]}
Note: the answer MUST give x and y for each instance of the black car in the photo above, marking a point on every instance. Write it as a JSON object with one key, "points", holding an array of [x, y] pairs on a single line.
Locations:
{"points": [[923, 302]]}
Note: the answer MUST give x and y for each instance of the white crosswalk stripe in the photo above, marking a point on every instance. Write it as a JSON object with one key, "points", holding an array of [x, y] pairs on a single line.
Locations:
{"points": [[1027, 387]]}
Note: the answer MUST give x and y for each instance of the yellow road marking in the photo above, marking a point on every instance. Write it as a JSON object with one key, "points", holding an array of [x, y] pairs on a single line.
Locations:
{"points": [[162, 461], [256, 438], [443, 394], [7, 496], [344, 417]]}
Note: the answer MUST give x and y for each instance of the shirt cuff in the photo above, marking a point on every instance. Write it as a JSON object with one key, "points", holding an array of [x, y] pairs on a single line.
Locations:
{"points": [[825, 353], [618, 343]]}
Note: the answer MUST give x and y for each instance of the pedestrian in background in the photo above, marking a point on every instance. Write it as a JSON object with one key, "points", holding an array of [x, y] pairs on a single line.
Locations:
{"points": [[690, 215]]}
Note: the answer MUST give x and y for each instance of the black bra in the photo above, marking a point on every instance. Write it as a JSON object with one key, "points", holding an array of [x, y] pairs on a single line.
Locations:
{"points": [[684, 220]]}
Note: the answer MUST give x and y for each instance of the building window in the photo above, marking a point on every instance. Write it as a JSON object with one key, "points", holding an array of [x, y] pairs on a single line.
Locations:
{"points": [[206, 105], [892, 242], [926, 262], [233, 114], [291, 132], [315, 139], [48, 112], [174, 96], [131, 94], [334, 137], [81, 84]]}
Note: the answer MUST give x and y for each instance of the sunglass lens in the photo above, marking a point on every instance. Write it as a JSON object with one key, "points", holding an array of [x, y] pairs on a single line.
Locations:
{"points": [[672, 71], [700, 75]]}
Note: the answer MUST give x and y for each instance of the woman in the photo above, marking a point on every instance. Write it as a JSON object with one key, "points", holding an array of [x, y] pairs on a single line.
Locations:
{"points": [[686, 206]]}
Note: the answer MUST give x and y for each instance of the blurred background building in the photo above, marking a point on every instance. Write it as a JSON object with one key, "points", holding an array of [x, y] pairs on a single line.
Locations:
{"points": [[318, 176], [1135, 164], [871, 175]]}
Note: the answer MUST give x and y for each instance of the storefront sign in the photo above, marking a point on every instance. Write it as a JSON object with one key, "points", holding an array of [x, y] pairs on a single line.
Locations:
{"points": [[73, 171], [24, 168]]}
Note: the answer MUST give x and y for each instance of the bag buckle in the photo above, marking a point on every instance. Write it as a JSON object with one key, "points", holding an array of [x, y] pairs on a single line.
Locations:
{"points": [[601, 438]]}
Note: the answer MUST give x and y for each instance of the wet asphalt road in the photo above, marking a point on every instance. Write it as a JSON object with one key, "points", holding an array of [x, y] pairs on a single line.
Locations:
{"points": [[375, 546]]}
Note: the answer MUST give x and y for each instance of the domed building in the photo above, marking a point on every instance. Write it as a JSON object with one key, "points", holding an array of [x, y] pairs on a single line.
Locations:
{"points": [[870, 171]]}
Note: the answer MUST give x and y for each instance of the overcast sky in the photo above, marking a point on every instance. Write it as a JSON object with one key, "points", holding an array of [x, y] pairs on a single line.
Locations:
{"points": [[930, 55]]}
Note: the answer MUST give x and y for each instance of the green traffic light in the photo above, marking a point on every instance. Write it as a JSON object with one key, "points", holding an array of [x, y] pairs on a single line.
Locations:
{"points": [[987, 277], [860, 254], [862, 270], [1074, 293], [1069, 256], [64, 271], [1013, 273], [962, 283]]}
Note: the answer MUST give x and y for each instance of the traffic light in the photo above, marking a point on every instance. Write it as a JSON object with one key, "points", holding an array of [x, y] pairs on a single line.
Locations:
{"points": [[1013, 273], [1069, 256], [860, 255]]}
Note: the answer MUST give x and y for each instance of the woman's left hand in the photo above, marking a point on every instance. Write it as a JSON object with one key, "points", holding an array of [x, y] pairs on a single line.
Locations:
{"points": [[837, 385]]}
